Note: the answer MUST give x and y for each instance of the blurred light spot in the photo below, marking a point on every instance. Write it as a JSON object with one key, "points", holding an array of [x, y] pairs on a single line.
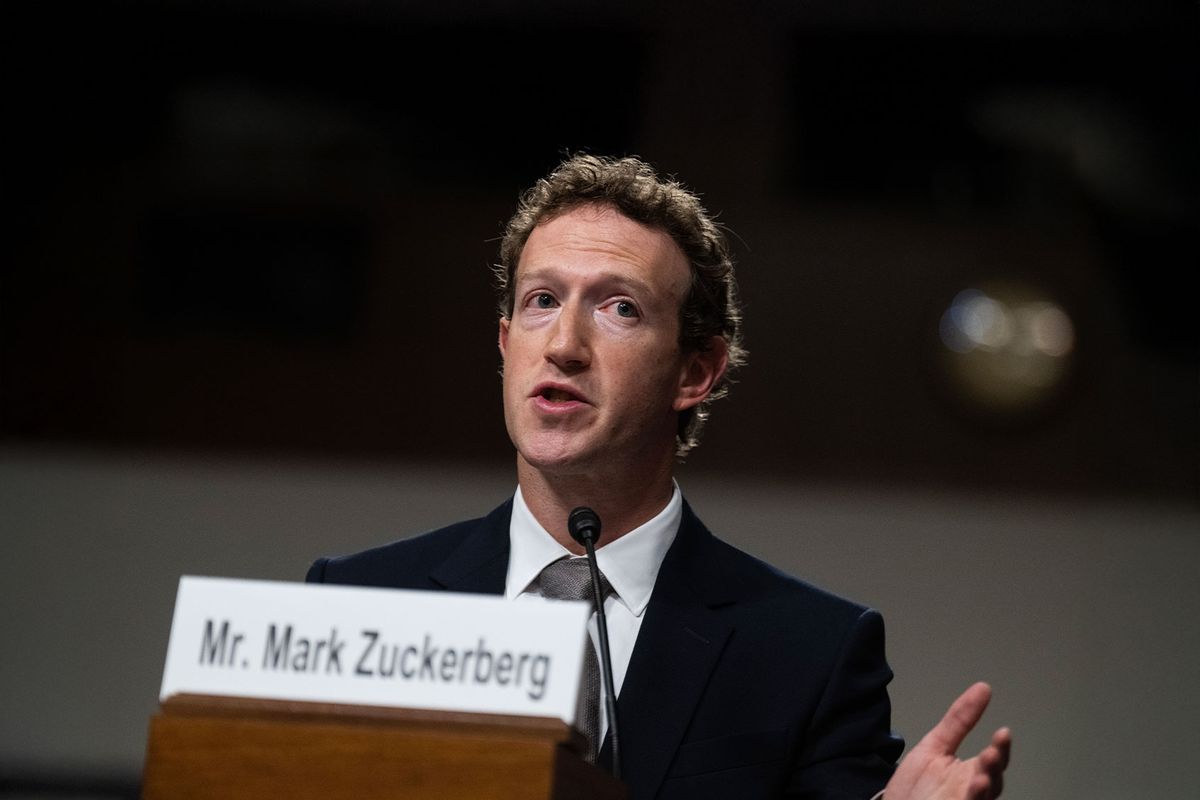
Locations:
{"points": [[1008, 346], [976, 320], [1051, 330]]}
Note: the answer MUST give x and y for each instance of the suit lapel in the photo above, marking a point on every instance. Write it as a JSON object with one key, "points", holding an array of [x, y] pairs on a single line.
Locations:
{"points": [[480, 562], [677, 648]]}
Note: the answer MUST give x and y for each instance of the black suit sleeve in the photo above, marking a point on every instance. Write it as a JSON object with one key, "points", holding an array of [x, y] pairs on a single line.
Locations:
{"points": [[849, 750]]}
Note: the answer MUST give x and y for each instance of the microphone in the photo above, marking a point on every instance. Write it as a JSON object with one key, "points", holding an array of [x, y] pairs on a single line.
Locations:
{"points": [[584, 526]]}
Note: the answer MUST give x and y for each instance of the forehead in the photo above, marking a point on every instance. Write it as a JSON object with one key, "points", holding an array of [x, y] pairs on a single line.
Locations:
{"points": [[600, 238]]}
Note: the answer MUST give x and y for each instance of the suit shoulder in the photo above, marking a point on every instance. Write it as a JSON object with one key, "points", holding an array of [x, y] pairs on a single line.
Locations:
{"points": [[405, 563], [760, 582], [797, 622]]}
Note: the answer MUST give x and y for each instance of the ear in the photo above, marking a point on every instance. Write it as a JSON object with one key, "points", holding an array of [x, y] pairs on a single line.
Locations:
{"points": [[503, 338], [701, 371]]}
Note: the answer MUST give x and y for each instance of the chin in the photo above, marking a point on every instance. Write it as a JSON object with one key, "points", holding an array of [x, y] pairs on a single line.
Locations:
{"points": [[555, 458], [560, 463]]}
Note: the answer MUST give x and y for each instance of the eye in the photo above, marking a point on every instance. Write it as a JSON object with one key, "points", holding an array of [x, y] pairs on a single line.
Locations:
{"points": [[626, 309], [543, 300]]}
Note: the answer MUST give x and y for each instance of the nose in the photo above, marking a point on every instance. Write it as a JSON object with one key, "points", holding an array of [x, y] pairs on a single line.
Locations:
{"points": [[569, 345]]}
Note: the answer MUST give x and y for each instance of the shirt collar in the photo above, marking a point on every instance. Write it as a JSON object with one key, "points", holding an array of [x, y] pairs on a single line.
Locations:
{"points": [[630, 563]]}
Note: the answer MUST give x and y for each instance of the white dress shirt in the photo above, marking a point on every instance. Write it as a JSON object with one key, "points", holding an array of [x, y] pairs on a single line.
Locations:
{"points": [[630, 563]]}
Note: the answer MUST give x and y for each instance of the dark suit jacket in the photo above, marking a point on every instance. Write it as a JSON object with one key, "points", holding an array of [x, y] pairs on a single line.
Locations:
{"points": [[743, 683]]}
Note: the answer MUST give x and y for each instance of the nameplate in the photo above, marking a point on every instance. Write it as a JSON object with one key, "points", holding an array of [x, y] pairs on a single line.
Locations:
{"points": [[384, 647]]}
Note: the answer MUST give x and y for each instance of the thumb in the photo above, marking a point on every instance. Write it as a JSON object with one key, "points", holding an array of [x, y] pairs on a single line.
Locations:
{"points": [[962, 716]]}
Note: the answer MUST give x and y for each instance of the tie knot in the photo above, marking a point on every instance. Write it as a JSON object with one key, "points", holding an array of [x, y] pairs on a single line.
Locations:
{"points": [[570, 579]]}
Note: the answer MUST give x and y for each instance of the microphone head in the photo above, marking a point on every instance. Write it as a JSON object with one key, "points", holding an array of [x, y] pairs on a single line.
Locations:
{"points": [[584, 525]]}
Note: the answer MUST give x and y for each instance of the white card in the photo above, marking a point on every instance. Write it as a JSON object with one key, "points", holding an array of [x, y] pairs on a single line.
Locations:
{"points": [[383, 647]]}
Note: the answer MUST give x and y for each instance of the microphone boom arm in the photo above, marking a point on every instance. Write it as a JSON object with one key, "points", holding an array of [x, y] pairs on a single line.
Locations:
{"points": [[584, 527]]}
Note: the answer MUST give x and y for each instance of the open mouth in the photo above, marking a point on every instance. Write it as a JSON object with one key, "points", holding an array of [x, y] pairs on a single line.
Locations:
{"points": [[557, 395]]}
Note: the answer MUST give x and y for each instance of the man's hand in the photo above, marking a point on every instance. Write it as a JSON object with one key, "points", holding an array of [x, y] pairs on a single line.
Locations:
{"points": [[932, 770]]}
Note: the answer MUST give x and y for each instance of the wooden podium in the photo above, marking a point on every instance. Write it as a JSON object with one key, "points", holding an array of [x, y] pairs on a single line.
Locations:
{"points": [[235, 749]]}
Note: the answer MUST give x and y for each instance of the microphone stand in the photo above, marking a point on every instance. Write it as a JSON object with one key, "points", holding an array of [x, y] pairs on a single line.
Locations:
{"points": [[584, 526]]}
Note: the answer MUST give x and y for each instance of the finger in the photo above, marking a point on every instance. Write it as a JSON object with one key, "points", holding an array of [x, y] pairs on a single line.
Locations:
{"points": [[1002, 741], [995, 755], [961, 717], [980, 788], [993, 760], [991, 773]]}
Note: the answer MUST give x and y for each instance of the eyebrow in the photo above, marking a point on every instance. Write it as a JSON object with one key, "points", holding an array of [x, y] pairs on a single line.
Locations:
{"points": [[547, 275]]}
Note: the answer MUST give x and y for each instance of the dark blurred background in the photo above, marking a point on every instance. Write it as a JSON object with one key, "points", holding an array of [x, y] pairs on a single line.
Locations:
{"points": [[966, 232], [268, 226]]}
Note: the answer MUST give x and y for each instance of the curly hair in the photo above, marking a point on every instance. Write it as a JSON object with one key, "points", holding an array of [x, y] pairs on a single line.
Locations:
{"points": [[632, 187]]}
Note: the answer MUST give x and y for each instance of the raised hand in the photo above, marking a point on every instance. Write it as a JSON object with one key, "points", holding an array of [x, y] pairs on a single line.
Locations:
{"points": [[932, 769]]}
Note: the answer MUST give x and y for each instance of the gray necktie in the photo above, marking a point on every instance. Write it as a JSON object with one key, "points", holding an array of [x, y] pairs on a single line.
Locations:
{"points": [[571, 579]]}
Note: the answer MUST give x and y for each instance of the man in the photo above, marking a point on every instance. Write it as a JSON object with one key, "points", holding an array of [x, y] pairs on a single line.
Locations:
{"points": [[619, 325]]}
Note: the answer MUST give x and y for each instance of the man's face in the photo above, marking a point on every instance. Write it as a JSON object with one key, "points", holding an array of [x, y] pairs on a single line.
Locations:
{"points": [[594, 377]]}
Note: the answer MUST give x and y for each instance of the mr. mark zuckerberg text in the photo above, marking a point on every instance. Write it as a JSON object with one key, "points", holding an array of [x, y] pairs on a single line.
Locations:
{"points": [[374, 657]]}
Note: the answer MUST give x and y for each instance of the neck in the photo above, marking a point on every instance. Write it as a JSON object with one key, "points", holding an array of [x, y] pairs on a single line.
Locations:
{"points": [[622, 504]]}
